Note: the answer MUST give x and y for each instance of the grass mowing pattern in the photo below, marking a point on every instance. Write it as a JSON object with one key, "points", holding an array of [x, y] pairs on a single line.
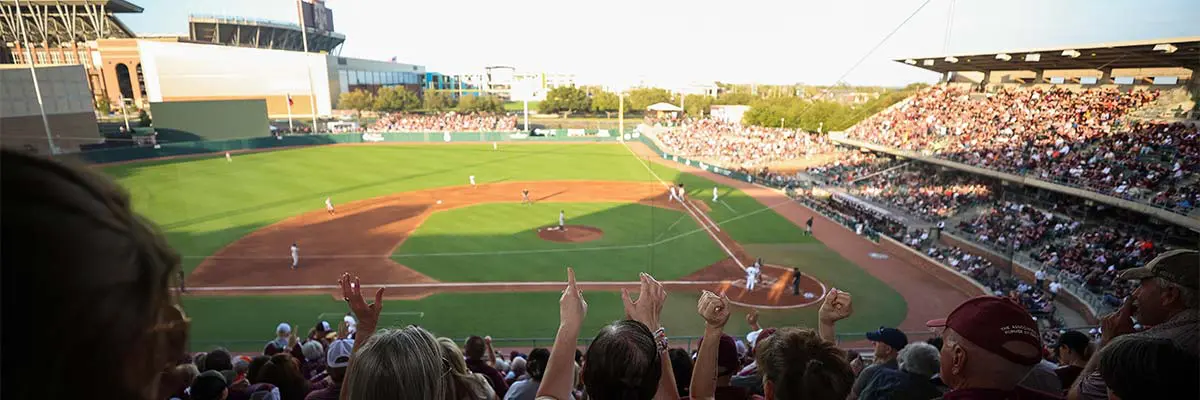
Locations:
{"points": [[513, 227], [204, 204]]}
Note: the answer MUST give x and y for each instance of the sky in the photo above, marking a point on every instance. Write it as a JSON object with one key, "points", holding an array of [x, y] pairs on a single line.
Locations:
{"points": [[674, 42]]}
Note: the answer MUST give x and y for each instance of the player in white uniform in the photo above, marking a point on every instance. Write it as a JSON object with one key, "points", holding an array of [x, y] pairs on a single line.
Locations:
{"points": [[714, 194], [227, 157], [671, 194], [751, 276], [472, 180], [562, 220], [295, 256], [329, 206], [494, 147]]}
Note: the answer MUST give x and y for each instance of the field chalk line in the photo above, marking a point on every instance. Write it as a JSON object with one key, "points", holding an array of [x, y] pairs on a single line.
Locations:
{"points": [[664, 232], [437, 285], [727, 205]]}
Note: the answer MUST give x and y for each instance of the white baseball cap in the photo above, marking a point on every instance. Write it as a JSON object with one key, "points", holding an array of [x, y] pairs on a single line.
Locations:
{"points": [[339, 349], [283, 328]]}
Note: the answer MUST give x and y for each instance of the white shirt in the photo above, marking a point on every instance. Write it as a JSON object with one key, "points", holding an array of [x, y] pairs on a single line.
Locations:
{"points": [[561, 218], [295, 251], [714, 191], [328, 203], [1054, 286], [1041, 275], [751, 271]]}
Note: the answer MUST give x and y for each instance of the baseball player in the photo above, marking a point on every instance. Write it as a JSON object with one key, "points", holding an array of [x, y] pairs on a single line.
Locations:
{"points": [[681, 193], [227, 157], [808, 226], [472, 181], [525, 197], [329, 206], [494, 147], [295, 256], [562, 221], [714, 194], [752, 276], [446, 136], [670, 193]]}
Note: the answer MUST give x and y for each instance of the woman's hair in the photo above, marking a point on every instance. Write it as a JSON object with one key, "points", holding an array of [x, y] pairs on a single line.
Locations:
{"points": [[218, 360], [681, 366], [255, 367], [622, 363], [802, 366], [461, 379], [1136, 368], [71, 230], [475, 348], [535, 366], [397, 361], [283, 371], [1078, 342], [312, 350]]}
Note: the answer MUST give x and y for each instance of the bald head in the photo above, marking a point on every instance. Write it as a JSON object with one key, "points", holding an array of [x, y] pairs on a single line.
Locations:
{"points": [[966, 365]]}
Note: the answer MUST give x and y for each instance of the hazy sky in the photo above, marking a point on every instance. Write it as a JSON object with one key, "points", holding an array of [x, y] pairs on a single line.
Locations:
{"points": [[670, 42]]}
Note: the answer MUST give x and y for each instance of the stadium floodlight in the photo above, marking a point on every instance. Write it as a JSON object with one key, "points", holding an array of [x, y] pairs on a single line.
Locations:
{"points": [[1003, 57], [1033, 57], [1166, 48], [928, 63], [1070, 53], [952, 59], [910, 61]]}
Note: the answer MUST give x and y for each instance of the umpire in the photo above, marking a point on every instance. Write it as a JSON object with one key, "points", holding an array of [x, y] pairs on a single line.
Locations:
{"points": [[795, 281]]}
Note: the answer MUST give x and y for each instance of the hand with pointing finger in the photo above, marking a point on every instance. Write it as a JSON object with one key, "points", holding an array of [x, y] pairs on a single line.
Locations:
{"points": [[647, 309], [572, 308]]}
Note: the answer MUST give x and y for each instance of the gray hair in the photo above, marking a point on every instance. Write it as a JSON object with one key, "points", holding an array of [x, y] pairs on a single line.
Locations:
{"points": [[407, 361], [1186, 294], [312, 350], [518, 366], [919, 358]]}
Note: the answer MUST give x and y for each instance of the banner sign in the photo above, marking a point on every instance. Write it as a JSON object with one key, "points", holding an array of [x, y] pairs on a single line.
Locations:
{"points": [[604, 133], [372, 137], [576, 132], [518, 136]]}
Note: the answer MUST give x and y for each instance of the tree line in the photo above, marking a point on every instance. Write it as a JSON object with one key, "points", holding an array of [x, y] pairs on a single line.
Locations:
{"points": [[400, 99]]}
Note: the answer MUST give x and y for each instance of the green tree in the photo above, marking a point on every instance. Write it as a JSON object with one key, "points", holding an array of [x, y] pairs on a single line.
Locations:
{"points": [[394, 99], [697, 104], [606, 102], [437, 101], [469, 104], [565, 99], [641, 98], [357, 100], [735, 98], [104, 105]]}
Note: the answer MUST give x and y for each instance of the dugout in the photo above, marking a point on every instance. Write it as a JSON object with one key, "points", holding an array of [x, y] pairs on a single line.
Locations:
{"points": [[189, 121]]}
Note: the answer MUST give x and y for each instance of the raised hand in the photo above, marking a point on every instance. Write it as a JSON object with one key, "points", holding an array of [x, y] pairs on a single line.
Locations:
{"points": [[714, 309], [648, 307], [752, 319], [1117, 323], [343, 331], [367, 314], [836, 306], [572, 308]]}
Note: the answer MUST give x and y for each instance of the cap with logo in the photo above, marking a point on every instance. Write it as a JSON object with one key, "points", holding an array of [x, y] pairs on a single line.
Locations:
{"points": [[892, 337], [339, 353], [997, 324], [1181, 267]]}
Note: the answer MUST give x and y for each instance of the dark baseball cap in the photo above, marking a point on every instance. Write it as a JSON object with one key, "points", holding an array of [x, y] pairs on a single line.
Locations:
{"points": [[892, 337], [996, 324], [208, 386], [1181, 267]]}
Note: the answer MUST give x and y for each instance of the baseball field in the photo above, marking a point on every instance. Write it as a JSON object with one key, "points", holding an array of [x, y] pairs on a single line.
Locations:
{"points": [[476, 260]]}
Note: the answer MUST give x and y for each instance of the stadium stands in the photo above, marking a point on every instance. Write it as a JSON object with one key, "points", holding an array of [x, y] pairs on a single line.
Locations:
{"points": [[735, 145], [452, 122]]}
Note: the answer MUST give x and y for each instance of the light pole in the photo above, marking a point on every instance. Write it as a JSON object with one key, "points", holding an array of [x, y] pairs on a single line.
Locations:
{"points": [[125, 114], [781, 122], [37, 89], [312, 95]]}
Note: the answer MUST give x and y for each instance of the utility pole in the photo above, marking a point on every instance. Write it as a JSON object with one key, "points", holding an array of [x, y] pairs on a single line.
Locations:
{"points": [[37, 89], [312, 96]]}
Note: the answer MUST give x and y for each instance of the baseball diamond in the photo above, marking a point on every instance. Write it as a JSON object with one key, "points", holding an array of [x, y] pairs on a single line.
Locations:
{"points": [[438, 245]]}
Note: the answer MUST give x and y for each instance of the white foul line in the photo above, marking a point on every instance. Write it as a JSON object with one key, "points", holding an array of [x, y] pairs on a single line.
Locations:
{"points": [[702, 225], [437, 285]]}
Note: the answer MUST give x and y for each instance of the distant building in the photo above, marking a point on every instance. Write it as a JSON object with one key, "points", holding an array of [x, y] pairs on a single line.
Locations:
{"points": [[502, 81], [730, 114]]}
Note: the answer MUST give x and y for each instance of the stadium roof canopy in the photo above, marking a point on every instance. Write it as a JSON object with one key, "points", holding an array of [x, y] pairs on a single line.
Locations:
{"points": [[1183, 52], [65, 21], [260, 33]]}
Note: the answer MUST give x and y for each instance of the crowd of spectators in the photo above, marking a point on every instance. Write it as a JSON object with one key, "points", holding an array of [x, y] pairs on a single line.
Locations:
{"points": [[1079, 137], [1095, 257], [1035, 296], [851, 165], [118, 330], [447, 122], [1016, 226], [735, 145], [923, 191]]}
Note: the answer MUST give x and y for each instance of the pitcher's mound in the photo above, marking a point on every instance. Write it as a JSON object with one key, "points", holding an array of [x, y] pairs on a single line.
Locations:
{"points": [[572, 234]]}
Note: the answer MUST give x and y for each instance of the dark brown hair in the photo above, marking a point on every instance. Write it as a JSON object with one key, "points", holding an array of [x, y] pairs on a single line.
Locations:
{"points": [[1136, 368], [71, 231], [622, 363], [474, 348], [283, 371], [802, 366]]}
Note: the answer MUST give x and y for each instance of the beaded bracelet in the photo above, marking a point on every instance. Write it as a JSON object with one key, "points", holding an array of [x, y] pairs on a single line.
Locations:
{"points": [[660, 339]]}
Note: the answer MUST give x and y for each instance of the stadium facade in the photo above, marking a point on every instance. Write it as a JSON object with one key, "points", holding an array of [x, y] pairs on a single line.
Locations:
{"points": [[221, 58]]}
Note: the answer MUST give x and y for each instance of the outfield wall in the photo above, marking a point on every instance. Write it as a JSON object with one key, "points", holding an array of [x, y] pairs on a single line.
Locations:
{"points": [[196, 148]]}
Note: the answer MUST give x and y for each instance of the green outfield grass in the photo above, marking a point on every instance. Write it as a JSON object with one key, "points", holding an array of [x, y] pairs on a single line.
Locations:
{"points": [[204, 204]]}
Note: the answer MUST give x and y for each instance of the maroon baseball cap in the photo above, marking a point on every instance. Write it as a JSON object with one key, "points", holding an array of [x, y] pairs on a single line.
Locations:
{"points": [[728, 360], [992, 323]]}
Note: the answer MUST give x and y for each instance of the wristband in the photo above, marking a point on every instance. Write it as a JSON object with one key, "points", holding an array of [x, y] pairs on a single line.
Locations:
{"points": [[660, 340]]}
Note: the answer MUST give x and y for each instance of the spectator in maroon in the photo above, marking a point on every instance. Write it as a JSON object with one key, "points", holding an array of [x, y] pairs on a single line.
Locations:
{"points": [[283, 371], [1145, 368], [111, 326], [1074, 349], [990, 344], [717, 360], [314, 359], [337, 359], [475, 349], [796, 364]]}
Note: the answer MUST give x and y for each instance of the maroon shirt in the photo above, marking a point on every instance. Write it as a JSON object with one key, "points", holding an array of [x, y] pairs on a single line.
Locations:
{"points": [[330, 392], [1020, 393], [493, 376]]}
